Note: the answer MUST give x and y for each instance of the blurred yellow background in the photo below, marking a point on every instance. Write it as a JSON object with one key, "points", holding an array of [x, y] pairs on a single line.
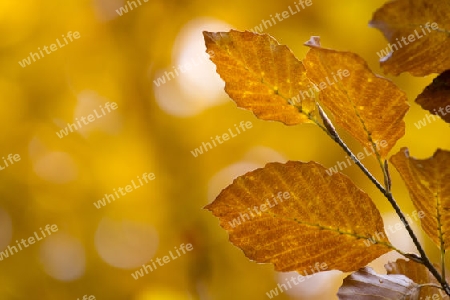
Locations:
{"points": [[120, 57]]}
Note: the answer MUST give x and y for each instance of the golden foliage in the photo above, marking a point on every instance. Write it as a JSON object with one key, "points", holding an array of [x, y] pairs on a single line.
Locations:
{"points": [[436, 97], [428, 182], [260, 75], [326, 219], [265, 77], [420, 47], [369, 107]]}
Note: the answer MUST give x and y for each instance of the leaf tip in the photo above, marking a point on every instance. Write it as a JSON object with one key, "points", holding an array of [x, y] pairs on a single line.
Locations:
{"points": [[405, 151], [208, 36], [314, 41], [207, 207]]}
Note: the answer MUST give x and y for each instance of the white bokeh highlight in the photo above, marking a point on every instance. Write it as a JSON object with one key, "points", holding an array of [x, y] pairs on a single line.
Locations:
{"points": [[191, 83], [125, 244], [57, 167], [63, 257]]}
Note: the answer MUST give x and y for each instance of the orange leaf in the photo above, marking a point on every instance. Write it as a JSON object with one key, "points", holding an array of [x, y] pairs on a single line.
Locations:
{"points": [[260, 75], [428, 182], [295, 215], [366, 284], [436, 97], [419, 274], [418, 35], [369, 107], [265, 77]]}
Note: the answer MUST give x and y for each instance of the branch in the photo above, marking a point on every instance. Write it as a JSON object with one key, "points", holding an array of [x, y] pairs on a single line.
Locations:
{"points": [[331, 131]]}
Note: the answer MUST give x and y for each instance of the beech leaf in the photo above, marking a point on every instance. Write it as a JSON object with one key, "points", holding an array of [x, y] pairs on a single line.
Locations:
{"points": [[369, 107], [365, 284], [428, 183], [260, 75], [324, 219], [418, 32], [420, 275], [436, 97], [266, 78]]}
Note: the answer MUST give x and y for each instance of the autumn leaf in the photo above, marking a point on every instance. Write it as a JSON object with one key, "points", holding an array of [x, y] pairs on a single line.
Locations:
{"points": [[261, 75], [428, 183], [295, 215], [369, 107], [436, 97], [265, 77], [366, 284], [419, 274], [418, 34]]}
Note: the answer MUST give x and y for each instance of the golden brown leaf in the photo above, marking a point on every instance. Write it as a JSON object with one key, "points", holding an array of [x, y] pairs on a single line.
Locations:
{"points": [[265, 77], [436, 97], [418, 46], [428, 182], [260, 75], [369, 107], [419, 274], [365, 284], [325, 219]]}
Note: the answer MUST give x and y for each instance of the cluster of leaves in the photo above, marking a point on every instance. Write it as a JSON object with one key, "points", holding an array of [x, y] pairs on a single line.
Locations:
{"points": [[329, 218]]}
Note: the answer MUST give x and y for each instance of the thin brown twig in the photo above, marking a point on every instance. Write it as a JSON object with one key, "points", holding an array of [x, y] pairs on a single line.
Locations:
{"points": [[331, 131]]}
